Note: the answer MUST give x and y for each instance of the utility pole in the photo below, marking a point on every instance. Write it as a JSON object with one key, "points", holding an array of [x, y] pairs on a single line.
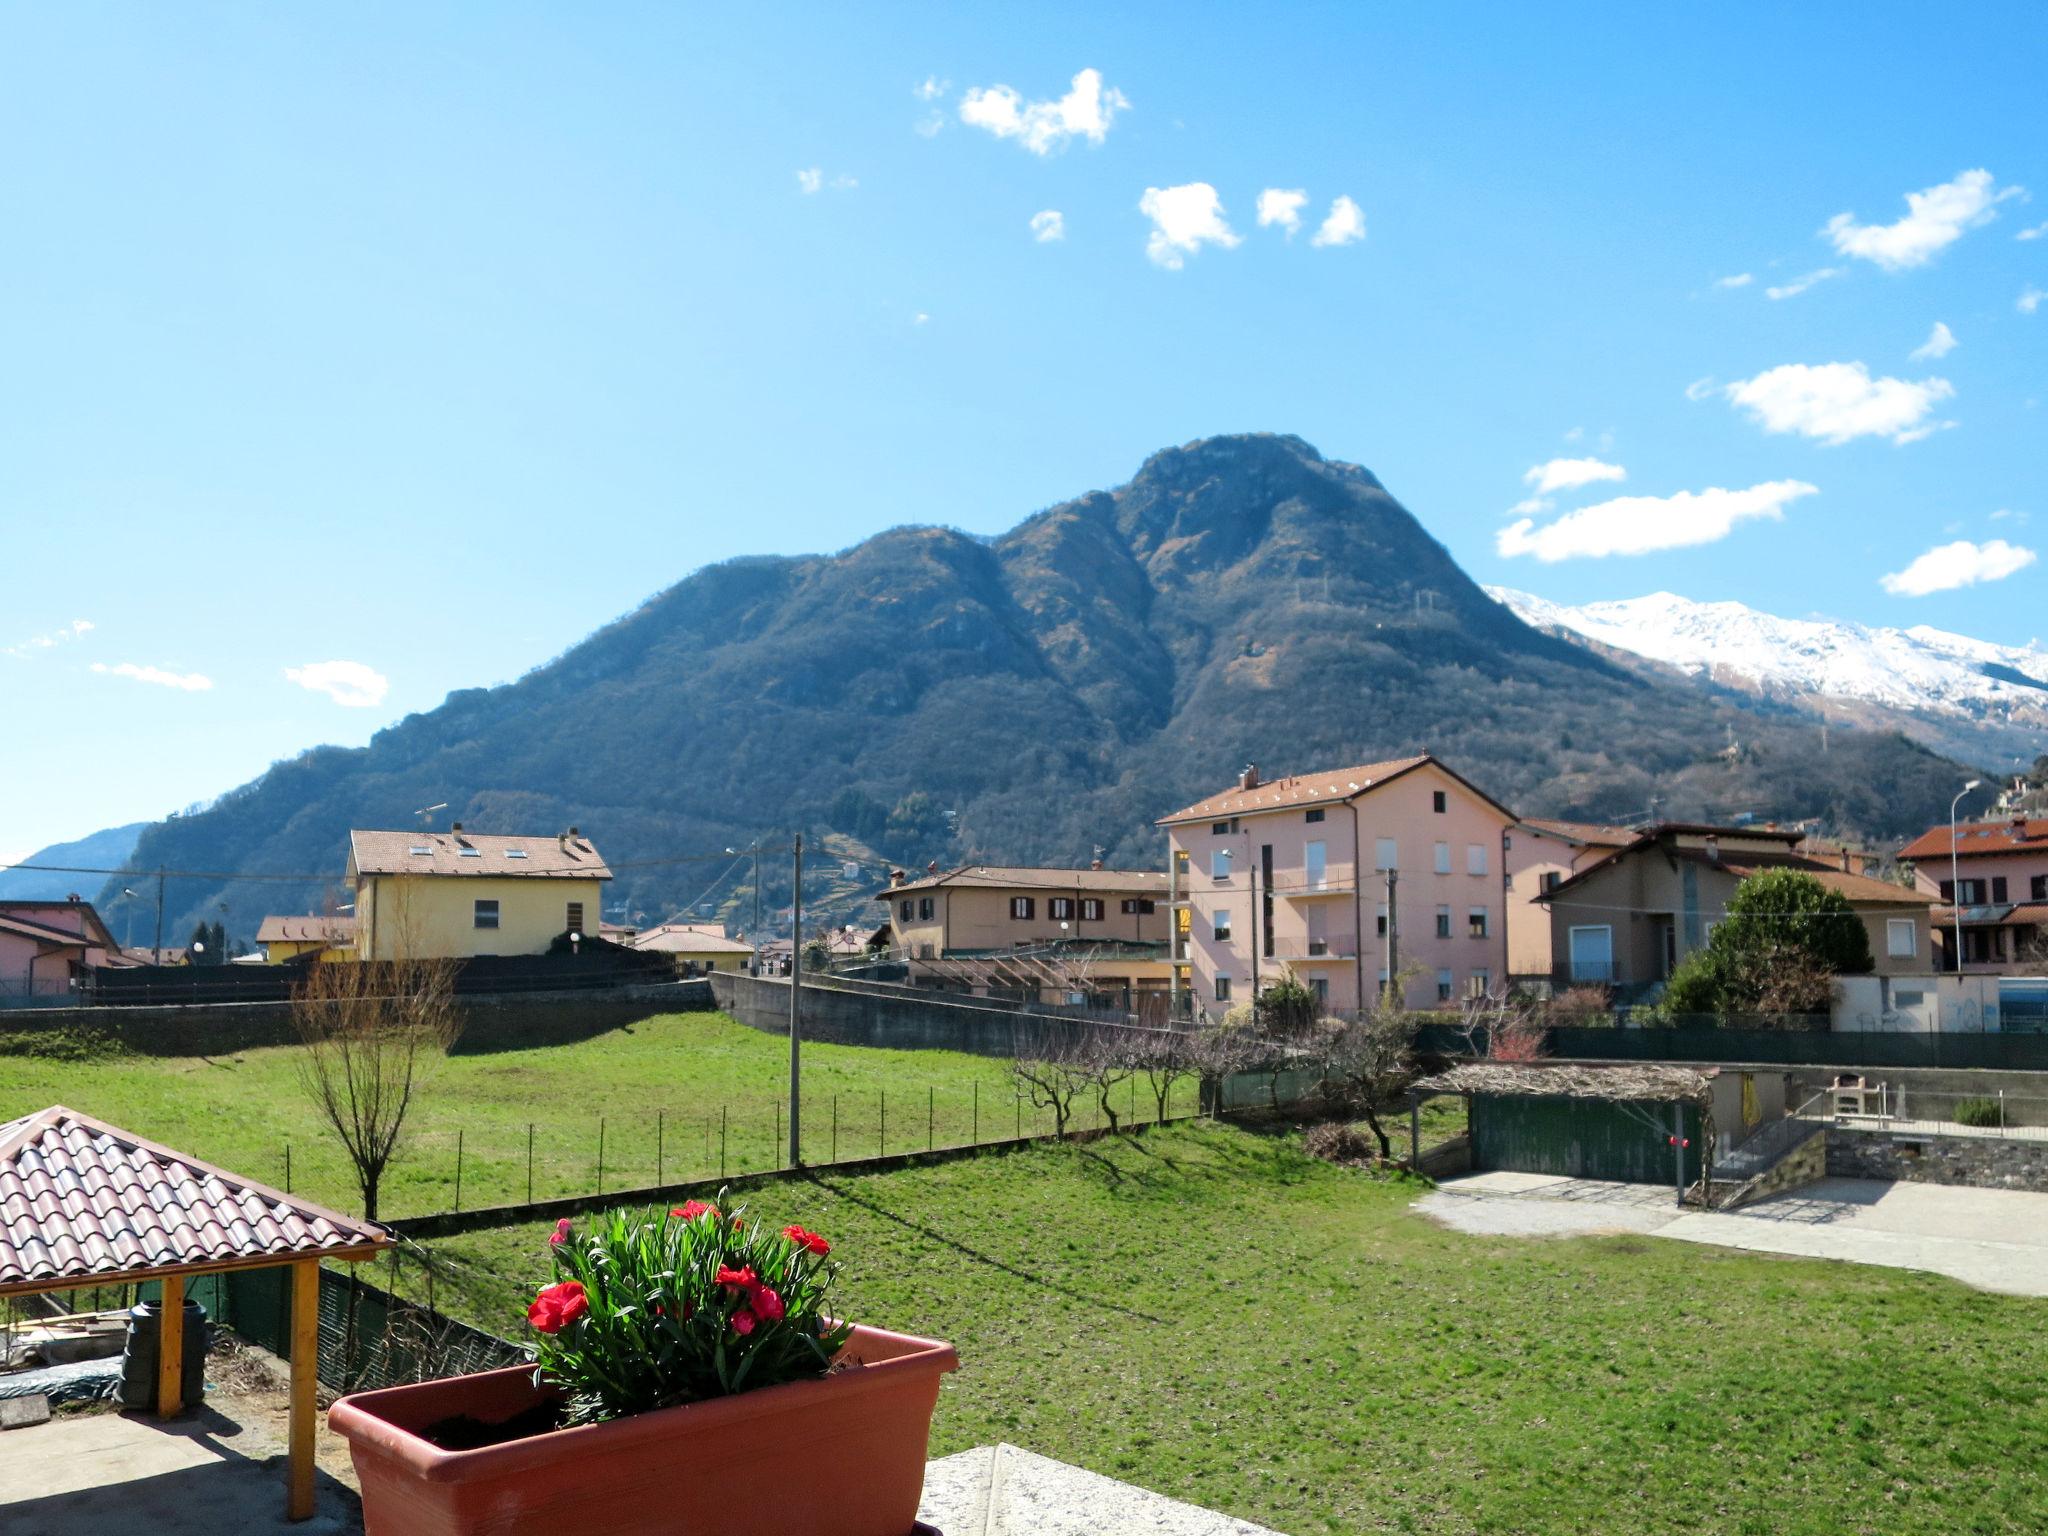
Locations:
{"points": [[796, 980], [756, 929], [1252, 885], [158, 957], [1393, 932]]}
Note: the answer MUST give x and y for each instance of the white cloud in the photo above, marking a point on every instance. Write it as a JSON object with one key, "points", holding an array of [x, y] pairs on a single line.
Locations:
{"points": [[2032, 232], [920, 318], [1800, 284], [1184, 219], [349, 683], [1279, 205], [845, 183], [1837, 402], [930, 125], [932, 89], [1702, 388], [1935, 218], [1939, 343], [1640, 525], [1086, 111], [2030, 299], [1961, 564], [1570, 474], [2003, 513], [1528, 506], [189, 682], [1047, 225], [1344, 226], [1734, 280], [49, 641], [810, 181]]}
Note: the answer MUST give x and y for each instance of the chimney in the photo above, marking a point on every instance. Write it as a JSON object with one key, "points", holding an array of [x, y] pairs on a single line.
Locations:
{"points": [[1249, 779], [1845, 860], [931, 867], [1713, 848], [1095, 864]]}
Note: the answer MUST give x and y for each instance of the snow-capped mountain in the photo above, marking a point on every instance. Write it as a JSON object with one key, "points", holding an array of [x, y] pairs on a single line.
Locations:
{"points": [[1991, 699]]}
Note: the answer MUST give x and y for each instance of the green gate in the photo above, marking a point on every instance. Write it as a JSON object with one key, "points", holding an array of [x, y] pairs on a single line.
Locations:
{"points": [[1581, 1138]]}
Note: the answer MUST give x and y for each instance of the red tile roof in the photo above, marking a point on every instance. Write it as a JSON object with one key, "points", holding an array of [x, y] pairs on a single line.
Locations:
{"points": [[567, 857], [1330, 786], [306, 930], [1599, 834], [81, 1199], [1980, 839]]}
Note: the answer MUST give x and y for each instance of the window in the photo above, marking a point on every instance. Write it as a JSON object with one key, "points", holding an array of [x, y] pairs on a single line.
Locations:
{"points": [[924, 952], [1592, 953], [1316, 865], [1948, 890], [487, 914], [1551, 881], [1476, 984], [575, 917], [1901, 941], [1091, 909], [1437, 803], [1223, 828], [1381, 930], [1443, 922], [1386, 854], [1972, 893], [1022, 908], [515, 853], [924, 909], [1444, 983], [1320, 986], [1315, 815], [1475, 924], [1219, 925], [1219, 863], [1475, 858], [421, 853], [1180, 860], [903, 909], [1133, 906], [1222, 989], [2039, 889], [1998, 888], [1443, 858], [1060, 908], [469, 853]]}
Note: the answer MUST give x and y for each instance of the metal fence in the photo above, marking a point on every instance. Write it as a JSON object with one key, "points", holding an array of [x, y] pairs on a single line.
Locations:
{"points": [[1776, 1047]]}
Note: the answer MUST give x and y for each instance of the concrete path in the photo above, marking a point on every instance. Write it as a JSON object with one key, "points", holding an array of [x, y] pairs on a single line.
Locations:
{"points": [[1993, 1239], [1001, 1490]]}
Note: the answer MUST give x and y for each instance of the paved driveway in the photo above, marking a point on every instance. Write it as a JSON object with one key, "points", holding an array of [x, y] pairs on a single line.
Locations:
{"points": [[1993, 1239]]}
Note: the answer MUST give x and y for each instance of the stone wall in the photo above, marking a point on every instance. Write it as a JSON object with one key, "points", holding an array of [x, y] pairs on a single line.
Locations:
{"points": [[1803, 1165], [493, 1022], [1983, 1162]]}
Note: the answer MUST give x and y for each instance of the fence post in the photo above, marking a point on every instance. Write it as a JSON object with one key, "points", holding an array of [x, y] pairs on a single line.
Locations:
{"points": [[600, 1154], [658, 1129], [287, 1167], [931, 1116], [835, 1127], [458, 1167], [1020, 1117], [976, 1137], [882, 1136], [721, 1143], [775, 1150]]}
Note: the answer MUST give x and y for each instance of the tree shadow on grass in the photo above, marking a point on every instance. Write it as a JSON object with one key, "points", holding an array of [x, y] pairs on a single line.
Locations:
{"points": [[1095, 1299]]}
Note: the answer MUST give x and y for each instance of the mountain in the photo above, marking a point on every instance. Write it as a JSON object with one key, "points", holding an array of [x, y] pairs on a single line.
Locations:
{"points": [[928, 694], [1969, 698], [101, 850]]}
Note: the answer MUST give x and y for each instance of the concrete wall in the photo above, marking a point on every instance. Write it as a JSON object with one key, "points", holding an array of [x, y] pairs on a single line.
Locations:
{"points": [[1982, 1162], [1958, 1004], [510, 1021]]}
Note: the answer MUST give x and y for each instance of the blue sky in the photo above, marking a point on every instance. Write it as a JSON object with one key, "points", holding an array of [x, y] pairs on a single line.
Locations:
{"points": [[424, 339]]}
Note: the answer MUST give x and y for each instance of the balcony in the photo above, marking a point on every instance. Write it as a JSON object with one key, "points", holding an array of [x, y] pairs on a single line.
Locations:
{"points": [[1310, 951]]}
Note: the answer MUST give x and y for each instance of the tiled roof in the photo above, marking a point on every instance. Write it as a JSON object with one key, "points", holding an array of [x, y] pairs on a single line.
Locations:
{"points": [[1857, 890], [81, 1199], [1327, 787], [688, 939], [1006, 877], [306, 930], [1599, 834], [474, 853], [1979, 839]]}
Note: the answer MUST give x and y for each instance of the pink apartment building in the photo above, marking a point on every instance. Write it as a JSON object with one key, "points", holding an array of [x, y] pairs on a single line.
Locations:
{"points": [[46, 946], [1292, 877], [1996, 872]]}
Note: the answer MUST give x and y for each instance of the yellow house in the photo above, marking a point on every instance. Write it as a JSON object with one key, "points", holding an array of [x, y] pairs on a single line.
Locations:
{"points": [[286, 938], [700, 946], [457, 894]]}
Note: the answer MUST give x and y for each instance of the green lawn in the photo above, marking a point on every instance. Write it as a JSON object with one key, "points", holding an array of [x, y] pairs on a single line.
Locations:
{"points": [[1207, 1312], [677, 1080]]}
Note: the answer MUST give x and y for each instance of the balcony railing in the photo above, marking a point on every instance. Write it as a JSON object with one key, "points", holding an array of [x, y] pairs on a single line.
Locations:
{"points": [[1343, 947]]}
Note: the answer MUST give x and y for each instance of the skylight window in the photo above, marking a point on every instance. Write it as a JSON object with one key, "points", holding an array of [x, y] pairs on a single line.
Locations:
{"points": [[422, 852], [469, 853], [515, 853]]}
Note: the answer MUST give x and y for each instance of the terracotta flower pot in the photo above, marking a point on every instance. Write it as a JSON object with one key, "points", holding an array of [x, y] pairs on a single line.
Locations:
{"points": [[842, 1455]]}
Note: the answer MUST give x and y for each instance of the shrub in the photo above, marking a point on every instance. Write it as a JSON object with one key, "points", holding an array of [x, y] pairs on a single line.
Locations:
{"points": [[649, 1309], [1335, 1142], [1980, 1112], [1583, 1007]]}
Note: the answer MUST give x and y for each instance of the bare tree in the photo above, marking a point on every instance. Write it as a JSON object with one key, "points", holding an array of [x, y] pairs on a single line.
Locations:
{"points": [[371, 1028], [1110, 1062], [1369, 1060], [1053, 1065], [1501, 1028], [1163, 1058]]}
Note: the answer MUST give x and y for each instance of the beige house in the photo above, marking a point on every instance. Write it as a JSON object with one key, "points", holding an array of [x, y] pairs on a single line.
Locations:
{"points": [[331, 937], [1543, 854], [1627, 920], [1050, 935], [696, 946], [458, 894]]}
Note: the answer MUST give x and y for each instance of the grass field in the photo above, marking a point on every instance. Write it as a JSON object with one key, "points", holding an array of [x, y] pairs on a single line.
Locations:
{"points": [[687, 1081], [1205, 1311]]}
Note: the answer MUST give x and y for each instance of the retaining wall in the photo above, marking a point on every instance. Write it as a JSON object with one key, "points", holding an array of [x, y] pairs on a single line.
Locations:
{"points": [[1982, 1162], [505, 1022]]}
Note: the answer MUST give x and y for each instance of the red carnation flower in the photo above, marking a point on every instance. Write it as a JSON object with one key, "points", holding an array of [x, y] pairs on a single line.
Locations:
{"points": [[743, 1322], [690, 1210], [767, 1302], [557, 1306], [739, 1279], [561, 1233], [807, 1240]]}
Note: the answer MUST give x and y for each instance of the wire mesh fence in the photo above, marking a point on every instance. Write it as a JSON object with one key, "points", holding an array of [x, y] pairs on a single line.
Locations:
{"points": [[445, 1166]]}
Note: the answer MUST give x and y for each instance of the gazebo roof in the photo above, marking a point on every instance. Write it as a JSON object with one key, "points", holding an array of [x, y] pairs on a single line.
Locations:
{"points": [[1635, 1084], [83, 1201]]}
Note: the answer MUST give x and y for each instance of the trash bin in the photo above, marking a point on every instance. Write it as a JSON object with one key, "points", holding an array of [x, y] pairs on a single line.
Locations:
{"points": [[138, 1356]]}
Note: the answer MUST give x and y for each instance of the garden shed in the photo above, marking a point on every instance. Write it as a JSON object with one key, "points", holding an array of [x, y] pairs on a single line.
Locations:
{"points": [[84, 1203], [1634, 1124]]}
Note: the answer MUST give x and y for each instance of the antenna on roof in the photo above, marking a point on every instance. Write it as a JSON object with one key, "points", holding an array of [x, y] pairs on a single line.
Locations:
{"points": [[426, 813]]}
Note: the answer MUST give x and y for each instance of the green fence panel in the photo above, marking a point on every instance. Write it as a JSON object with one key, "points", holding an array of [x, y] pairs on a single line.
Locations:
{"points": [[1581, 1138]]}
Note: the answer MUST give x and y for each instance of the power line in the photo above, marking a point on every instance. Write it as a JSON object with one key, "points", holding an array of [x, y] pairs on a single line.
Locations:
{"points": [[301, 879]]}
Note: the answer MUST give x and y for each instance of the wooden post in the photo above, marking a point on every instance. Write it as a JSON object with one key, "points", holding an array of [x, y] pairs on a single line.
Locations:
{"points": [[298, 1504], [170, 1349], [1415, 1133]]}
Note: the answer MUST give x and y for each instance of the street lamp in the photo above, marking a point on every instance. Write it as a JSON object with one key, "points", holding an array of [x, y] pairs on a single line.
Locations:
{"points": [[1955, 879]]}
